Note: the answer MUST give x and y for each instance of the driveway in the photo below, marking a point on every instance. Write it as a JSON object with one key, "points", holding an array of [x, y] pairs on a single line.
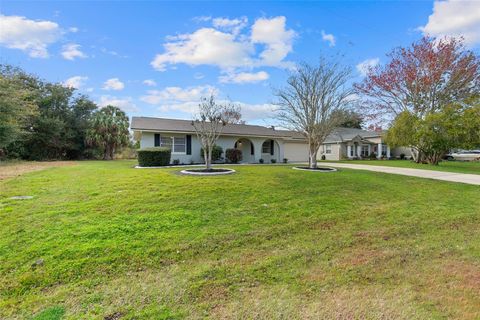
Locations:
{"points": [[429, 174]]}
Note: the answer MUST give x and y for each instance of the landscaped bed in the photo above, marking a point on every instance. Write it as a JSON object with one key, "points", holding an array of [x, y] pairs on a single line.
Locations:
{"points": [[207, 172], [100, 240]]}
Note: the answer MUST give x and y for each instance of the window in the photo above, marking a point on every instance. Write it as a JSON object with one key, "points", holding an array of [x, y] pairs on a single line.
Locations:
{"points": [[328, 149], [364, 151], [165, 142], [177, 144], [267, 147], [384, 150]]}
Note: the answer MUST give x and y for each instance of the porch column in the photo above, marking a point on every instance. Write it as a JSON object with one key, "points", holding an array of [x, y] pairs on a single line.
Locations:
{"points": [[349, 149], [388, 152], [379, 150], [369, 149], [359, 150]]}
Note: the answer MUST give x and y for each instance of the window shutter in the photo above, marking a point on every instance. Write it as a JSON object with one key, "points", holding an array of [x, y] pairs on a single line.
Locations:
{"points": [[157, 140], [252, 151], [272, 143], [189, 144]]}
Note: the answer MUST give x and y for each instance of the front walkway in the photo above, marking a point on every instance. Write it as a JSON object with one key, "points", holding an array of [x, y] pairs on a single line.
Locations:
{"points": [[429, 174]]}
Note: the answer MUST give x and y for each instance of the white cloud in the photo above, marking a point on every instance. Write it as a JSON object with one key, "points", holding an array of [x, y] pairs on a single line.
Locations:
{"points": [[276, 38], [244, 77], [71, 51], [149, 82], [113, 84], [455, 18], [205, 46], [224, 46], [30, 36], [330, 38], [233, 25], [186, 100], [176, 95], [73, 29], [364, 66], [124, 103], [75, 82]]}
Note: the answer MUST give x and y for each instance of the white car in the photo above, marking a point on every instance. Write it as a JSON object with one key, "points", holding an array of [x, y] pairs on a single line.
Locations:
{"points": [[465, 155]]}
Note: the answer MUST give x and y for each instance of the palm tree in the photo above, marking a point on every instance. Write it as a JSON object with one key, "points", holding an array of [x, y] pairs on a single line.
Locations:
{"points": [[108, 130]]}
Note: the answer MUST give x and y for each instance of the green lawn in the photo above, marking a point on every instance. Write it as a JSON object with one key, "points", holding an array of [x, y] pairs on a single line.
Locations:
{"points": [[450, 166], [268, 242]]}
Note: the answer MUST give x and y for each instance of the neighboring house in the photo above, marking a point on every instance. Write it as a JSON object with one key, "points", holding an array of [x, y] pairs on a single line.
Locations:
{"points": [[358, 143], [256, 142]]}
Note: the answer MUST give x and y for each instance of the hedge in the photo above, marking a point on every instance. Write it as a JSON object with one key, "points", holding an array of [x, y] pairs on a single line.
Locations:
{"points": [[154, 157], [216, 153], [233, 155]]}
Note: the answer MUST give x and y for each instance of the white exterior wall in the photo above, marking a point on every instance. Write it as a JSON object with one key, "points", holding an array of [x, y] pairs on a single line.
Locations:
{"points": [[226, 142], [336, 150]]}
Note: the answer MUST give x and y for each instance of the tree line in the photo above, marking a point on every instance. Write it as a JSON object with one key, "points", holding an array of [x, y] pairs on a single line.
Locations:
{"points": [[40, 120]]}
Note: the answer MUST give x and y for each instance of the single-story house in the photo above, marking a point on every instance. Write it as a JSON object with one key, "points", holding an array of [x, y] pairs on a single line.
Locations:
{"points": [[255, 142]]}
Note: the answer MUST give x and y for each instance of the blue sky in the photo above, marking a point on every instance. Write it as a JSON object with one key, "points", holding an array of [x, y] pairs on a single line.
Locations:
{"points": [[158, 58]]}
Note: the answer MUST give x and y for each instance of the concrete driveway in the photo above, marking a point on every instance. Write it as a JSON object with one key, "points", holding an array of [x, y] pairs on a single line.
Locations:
{"points": [[429, 174]]}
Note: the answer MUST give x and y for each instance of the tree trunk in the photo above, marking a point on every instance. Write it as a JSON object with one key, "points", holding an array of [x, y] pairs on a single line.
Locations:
{"points": [[312, 159], [210, 159], [106, 153], [112, 153]]}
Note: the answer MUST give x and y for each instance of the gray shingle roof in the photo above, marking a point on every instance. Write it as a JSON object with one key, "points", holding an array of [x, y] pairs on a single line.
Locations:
{"points": [[175, 125], [347, 134], [185, 126]]}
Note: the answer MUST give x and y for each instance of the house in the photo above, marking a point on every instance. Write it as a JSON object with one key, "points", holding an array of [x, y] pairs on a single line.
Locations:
{"points": [[255, 142], [349, 143]]}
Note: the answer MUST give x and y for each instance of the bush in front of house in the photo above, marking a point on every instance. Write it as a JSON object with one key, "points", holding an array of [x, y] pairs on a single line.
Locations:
{"points": [[154, 157], [261, 160], [323, 157], [372, 156], [233, 155], [285, 160], [216, 153], [273, 160]]}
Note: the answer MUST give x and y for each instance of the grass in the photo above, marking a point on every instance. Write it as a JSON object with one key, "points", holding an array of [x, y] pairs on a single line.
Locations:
{"points": [[267, 242], [448, 166]]}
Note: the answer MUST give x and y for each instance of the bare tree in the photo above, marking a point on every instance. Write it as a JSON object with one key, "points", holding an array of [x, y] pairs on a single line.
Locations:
{"points": [[209, 122], [312, 101]]}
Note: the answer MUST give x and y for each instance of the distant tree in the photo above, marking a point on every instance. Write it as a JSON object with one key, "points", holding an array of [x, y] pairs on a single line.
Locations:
{"points": [[351, 119], [15, 107], [108, 130], [234, 114], [313, 102], [209, 122], [418, 82], [455, 126]]}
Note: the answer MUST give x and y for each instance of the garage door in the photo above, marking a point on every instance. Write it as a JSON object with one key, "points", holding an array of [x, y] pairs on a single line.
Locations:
{"points": [[296, 152]]}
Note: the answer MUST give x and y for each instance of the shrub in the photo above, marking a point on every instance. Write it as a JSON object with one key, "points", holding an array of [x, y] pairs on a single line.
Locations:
{"points": [[273, 160], [154, 157], [261, 161], [323, 157], [285, 160], [176, 162], [216, 153], [402, 156], [233, 155], [372, 156]]}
